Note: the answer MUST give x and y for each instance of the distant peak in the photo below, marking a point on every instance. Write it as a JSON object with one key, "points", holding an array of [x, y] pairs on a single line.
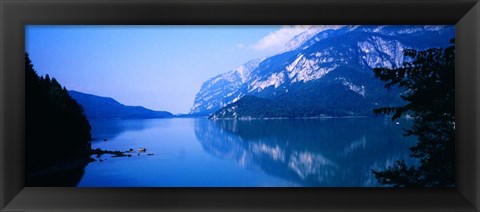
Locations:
{"points": [[309, 33]]}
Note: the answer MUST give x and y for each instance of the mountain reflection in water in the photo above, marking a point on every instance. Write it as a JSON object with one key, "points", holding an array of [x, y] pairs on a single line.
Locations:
{"points": [[311, 152]]}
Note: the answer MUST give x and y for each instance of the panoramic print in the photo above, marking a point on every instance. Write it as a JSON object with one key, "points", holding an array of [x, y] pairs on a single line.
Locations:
{"points": [[240, 106]]}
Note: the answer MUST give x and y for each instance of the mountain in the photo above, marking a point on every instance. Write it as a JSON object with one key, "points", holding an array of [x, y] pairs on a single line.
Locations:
{"points": [[97, 107], [328, 74], [301, 38], [223, 89], [249, 107]]}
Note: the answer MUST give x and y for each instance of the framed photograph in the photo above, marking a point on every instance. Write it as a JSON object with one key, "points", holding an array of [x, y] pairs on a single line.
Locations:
{"points": [[226, 105]]}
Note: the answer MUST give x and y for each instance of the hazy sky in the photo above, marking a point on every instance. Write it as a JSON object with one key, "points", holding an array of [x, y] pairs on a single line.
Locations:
{"points": [[158, 67]]}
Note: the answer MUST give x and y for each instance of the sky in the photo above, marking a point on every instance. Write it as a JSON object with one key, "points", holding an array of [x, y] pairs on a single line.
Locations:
{"points": [[157, 67]]}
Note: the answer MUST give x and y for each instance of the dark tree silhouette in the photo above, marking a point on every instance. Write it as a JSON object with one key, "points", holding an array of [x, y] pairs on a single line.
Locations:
{"points": [[57, 132], [429, 83]]}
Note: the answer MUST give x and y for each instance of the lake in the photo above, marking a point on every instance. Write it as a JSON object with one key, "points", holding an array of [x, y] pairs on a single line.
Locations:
{"points": [[330, 152]]}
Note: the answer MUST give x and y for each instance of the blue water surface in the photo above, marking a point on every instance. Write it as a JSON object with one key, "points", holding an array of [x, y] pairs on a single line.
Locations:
{"points": [[330, 152]]}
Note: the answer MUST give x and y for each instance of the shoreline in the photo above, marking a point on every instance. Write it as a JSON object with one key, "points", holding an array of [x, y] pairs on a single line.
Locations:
{"points": [[284, 118], [253, 118], [78, 162]]}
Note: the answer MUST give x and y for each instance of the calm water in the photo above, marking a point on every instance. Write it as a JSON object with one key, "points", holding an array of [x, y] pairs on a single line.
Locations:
{"points": [[203, 153]]}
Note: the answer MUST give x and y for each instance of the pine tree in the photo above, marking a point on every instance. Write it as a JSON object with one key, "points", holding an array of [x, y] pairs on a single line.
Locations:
{"points": [[57, 131], [429, 82]]}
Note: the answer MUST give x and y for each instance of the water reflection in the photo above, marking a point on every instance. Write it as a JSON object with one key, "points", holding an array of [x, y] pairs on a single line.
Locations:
{"points": [[110, 129], [311, 152]]}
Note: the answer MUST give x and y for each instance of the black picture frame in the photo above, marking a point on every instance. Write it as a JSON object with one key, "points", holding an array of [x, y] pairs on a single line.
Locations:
{"points": [[15, 14]]}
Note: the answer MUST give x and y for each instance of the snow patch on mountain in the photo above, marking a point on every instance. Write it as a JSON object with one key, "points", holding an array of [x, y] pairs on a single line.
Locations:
{"points": [[304, 70], [379, 52], [355, 88], [237, 98], [275, 80]]}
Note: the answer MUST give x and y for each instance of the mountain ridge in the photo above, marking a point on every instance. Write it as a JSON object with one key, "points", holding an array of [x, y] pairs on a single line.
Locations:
{"points": [[99, 107], [331, 70]]}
